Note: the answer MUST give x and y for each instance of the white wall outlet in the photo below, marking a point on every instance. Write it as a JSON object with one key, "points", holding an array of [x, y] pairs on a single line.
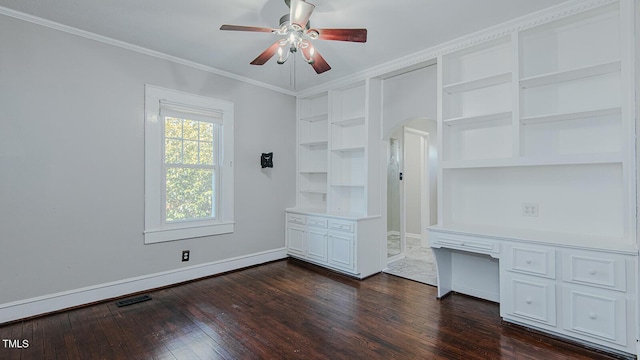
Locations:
{"points": [[530, 209]]}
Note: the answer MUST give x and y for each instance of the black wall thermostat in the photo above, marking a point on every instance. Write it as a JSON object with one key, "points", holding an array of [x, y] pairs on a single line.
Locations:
{"points": [[266, 160]]}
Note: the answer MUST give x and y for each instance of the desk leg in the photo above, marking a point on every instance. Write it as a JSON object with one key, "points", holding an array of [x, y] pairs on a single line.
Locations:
{"points": [[443, 265]]}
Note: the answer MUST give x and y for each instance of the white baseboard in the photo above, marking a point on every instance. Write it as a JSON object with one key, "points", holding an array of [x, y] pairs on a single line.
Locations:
{"points": [[392, 232], [53, 302]]}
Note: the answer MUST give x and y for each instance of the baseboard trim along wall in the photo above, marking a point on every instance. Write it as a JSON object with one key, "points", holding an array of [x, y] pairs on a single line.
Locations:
{"points": [[63, 300], [413, 236]]}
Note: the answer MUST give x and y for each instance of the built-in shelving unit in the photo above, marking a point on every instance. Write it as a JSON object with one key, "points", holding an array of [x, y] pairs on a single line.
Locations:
{"points": [[348, 138], [476, 102], [337, 214], [538, 168], [313, 143], [545, 100]]}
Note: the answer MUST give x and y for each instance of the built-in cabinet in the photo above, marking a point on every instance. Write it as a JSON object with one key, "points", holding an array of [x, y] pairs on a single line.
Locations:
{"points": [[537, 174], [577, 292], [536, 177], [338, 206]]}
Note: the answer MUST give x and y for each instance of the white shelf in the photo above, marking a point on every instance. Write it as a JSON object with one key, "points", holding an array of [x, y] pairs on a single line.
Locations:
{"points": [[349, 149], [313, 191], [314, 143], [350, 121], [467, 120], [307, 172], [574, 74], [570, 116], [582, 159], [314, 118], [347, 185], [478, 83]]}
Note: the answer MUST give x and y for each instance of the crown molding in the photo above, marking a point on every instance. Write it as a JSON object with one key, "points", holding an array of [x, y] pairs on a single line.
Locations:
{"points": [[139, 49], [406, 63], [428, 56]]}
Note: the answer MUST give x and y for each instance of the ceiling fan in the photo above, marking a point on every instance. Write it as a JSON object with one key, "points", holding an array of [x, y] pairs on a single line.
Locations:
{"points": [[297, 34]]}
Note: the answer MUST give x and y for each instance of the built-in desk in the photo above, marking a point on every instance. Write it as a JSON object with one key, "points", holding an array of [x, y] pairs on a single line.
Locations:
{"points": [[575, 291], [466, 264]]}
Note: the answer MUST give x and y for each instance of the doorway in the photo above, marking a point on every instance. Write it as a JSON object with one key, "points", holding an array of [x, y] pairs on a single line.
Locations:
{"points": [[411, 201]]}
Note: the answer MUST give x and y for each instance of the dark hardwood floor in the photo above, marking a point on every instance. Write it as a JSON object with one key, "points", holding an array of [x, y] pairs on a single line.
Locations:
{"points": [[287, 310]]}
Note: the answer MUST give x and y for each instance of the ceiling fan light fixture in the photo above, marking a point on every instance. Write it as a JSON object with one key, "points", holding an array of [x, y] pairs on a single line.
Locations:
{"points": [[281, 58], [296, 34]]}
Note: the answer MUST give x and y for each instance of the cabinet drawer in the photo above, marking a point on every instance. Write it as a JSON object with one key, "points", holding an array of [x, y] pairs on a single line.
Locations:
{"points": [[317, 222], [531, 260], [597, 313], [346, 226], [466, 243], [602, 270], [297, 219], [530, 298]]}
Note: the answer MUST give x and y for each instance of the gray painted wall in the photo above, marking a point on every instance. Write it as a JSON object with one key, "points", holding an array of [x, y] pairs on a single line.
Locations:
{"points": [[72, 163]]}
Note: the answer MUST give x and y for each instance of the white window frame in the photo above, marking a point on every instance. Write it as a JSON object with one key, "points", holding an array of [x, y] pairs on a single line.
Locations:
{"points": [[156, 229]]}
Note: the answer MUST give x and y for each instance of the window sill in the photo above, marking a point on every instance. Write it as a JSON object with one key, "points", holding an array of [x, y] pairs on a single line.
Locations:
{"points": [[164, 235]]}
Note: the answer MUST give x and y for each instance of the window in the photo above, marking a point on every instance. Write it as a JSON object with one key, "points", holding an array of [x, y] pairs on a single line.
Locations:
{"points": [[188, 165]]}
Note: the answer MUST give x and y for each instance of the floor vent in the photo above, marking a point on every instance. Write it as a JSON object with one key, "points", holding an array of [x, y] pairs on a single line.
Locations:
{"points": [[133, 300]]}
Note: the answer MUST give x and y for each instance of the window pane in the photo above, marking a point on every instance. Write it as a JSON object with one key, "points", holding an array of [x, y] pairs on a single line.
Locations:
{"points": [[190, 152], [206, 131], [190, 129], [172, 127], [172, 151], [206, 153], [189, 194]]}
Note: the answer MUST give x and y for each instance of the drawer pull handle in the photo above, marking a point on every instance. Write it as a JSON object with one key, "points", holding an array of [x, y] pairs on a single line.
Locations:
{"points": [[528, 300], [592, 272], [593, 315], [529, 261]]}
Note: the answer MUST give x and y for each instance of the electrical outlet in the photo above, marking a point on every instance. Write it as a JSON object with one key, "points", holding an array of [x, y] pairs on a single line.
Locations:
{"points": [[185, 255], [530, 209]]}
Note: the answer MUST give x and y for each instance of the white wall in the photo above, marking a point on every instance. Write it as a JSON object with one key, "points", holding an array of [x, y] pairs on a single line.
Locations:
{"points": [[637, 70], [413, 178], [72, 163], [409, 95]]}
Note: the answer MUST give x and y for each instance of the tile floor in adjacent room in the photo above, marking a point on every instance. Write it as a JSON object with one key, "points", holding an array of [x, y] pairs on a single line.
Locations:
{"points": [[419, 264]]}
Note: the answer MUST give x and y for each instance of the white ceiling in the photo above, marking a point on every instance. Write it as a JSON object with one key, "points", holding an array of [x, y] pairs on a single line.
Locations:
{"points": [[189, 29]]}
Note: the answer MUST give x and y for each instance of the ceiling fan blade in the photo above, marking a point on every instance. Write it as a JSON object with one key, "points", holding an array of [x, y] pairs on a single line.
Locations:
{"points": [[300, 12], [267, 54], [246, 28], [353, 35], [319, 64]]}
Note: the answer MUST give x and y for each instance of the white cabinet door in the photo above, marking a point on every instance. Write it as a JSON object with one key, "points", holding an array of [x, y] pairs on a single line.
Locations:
{"points": [[317, 240], [296, 239], [597, 313], [530, 299], [341, 247]]}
